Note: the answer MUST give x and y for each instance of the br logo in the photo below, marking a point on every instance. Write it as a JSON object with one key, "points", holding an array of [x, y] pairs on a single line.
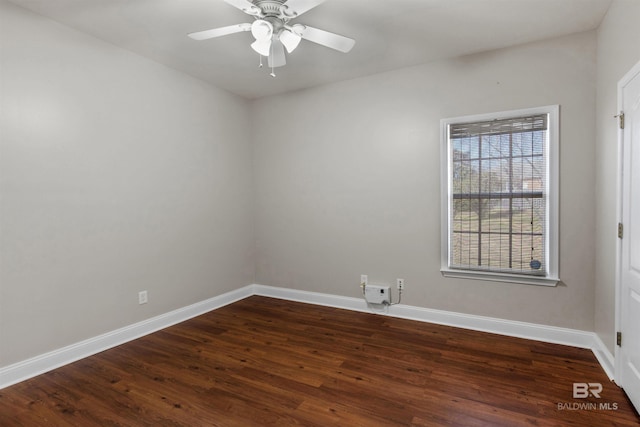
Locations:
{"points": [[584, 390]]}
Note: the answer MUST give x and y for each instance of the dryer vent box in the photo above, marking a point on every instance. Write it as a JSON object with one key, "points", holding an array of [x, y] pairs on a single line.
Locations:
{"points": [[377, 294]]}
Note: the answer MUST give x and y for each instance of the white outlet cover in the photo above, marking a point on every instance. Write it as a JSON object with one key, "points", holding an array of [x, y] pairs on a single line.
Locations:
{"points": [[142, 297]]}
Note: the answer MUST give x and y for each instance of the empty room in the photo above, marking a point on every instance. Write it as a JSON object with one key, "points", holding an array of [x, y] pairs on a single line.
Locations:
{"points": [[319, 212]]}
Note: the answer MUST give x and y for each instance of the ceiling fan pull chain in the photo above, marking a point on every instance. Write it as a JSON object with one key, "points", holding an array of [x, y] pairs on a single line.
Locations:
{"points": [[273, 74], [260, 65]]}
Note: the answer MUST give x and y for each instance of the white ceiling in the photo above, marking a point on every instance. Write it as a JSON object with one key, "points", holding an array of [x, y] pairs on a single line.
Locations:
{"points": [[389, 34]]}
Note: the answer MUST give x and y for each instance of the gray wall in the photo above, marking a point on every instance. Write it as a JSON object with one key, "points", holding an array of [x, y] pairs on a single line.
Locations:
{"points": [[117, 175], [348, 179], [618, 52]]}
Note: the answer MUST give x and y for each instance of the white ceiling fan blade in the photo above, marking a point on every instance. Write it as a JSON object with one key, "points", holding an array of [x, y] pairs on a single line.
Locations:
{"points": [[293, 8], [277, 57], [218, 32], [245, 6], [324, 38]]}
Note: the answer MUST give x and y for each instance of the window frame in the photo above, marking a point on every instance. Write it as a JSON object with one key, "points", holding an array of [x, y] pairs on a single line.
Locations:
{"points": [[551, 195]]}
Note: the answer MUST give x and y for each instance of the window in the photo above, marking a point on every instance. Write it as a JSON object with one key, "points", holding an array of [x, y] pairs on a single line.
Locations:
{"points": [[500, 196]]}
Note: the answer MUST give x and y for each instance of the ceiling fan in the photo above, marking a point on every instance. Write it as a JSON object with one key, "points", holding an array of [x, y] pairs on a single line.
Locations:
{"points": [[273, 30]]}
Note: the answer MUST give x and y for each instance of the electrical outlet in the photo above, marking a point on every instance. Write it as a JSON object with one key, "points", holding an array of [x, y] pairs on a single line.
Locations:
{"points": [[400, 284], [364, 280], [142, 297]]}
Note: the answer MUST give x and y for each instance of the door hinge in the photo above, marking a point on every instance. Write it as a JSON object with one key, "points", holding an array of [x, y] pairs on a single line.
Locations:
{"points": [[620, 230], [619, 338], [621, 119]]}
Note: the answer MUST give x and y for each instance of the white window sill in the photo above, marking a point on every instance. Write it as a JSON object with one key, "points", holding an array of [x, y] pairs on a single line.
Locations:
{"points": [[500, 277]]}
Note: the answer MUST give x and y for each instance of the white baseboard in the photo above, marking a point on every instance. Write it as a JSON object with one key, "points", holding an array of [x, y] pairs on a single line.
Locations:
{"points": [[29, 368], [604, 356]]}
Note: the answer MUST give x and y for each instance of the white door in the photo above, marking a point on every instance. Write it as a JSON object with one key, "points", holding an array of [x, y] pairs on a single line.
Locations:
{"points": [[629, 254]]}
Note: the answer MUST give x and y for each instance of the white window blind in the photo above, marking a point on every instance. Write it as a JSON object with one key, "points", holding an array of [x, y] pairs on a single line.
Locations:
{"points": [[498, 197]]}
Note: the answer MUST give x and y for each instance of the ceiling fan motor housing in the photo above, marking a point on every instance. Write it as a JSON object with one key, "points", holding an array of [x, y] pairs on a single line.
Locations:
{"points": [[272, 12], [270, 7]]}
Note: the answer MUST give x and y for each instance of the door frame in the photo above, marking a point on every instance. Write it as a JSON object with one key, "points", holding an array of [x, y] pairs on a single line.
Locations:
{"points": [[633, 72]]}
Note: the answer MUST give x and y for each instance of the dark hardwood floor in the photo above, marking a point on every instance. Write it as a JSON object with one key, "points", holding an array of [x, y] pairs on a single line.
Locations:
{"points": [[263, 362]]}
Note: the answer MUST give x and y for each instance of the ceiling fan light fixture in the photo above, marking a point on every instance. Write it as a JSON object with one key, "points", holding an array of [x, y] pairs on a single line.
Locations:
{"points": [[297, 29], [262, 30], [263, 47], [290, 40]]}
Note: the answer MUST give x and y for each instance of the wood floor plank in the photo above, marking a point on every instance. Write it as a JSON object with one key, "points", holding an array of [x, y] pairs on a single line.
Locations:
{"points": [[264, 361]]}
